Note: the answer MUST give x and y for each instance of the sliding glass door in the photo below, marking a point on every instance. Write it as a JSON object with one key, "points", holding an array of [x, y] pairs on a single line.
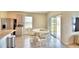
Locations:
{"points": [[55, 26]]}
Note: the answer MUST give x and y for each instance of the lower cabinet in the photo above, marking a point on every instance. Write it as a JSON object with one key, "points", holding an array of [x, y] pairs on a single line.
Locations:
{"points": [[19, 31], [7, 41], [3, 42]]}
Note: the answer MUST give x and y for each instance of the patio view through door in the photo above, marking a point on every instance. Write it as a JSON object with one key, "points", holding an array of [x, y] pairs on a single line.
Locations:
{"points": [[55, 28]]}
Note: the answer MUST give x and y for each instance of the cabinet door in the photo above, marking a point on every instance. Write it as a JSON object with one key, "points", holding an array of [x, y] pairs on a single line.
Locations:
{"points": [[19, 29], [3, 43], [19, 19], [3, 23], [9, 23]]}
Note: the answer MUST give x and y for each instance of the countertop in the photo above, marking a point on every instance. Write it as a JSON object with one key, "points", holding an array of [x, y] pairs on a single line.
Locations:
{"points": [[5, 32]]}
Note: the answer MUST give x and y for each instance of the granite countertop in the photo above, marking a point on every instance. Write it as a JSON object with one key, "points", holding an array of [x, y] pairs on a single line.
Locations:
{"points": [[5, 32]]}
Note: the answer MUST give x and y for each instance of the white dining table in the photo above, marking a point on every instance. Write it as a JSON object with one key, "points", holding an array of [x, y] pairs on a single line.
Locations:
{"points": [[39, 31]]}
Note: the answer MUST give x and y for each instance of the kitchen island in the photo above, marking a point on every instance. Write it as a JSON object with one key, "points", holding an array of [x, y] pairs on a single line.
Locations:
{"points": [[5, 36]]}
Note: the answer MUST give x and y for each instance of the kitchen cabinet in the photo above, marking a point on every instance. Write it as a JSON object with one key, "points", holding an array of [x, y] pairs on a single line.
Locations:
{"points": [[19, 19], [3, 41], [6, 23], [19, 28], [7, 40], [19, 31]]}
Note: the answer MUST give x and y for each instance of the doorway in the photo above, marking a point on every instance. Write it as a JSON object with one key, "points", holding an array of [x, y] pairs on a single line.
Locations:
{"points": [[55, 30], [55, 26]]}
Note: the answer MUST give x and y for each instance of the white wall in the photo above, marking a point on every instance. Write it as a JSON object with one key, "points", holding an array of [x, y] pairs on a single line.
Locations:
{"points": [[2, 15], [39, 19], [67, 26]]}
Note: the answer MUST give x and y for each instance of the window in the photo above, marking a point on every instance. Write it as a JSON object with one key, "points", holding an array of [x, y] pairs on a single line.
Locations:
{"points": [[28, 22], [73, 24]]}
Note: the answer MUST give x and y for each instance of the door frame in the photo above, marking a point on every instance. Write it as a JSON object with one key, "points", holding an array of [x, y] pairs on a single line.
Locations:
{"points": [[49, 25]]}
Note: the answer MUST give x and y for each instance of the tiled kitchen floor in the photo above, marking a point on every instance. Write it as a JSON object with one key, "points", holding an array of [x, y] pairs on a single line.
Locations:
{"points": [[26, 41]]}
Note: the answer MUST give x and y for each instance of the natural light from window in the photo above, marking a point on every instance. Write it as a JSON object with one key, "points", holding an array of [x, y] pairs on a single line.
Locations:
{"points": [[28, 22]]}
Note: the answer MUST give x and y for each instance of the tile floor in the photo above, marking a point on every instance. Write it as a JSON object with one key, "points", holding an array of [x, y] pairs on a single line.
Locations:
{"points": [[26, 41]]}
